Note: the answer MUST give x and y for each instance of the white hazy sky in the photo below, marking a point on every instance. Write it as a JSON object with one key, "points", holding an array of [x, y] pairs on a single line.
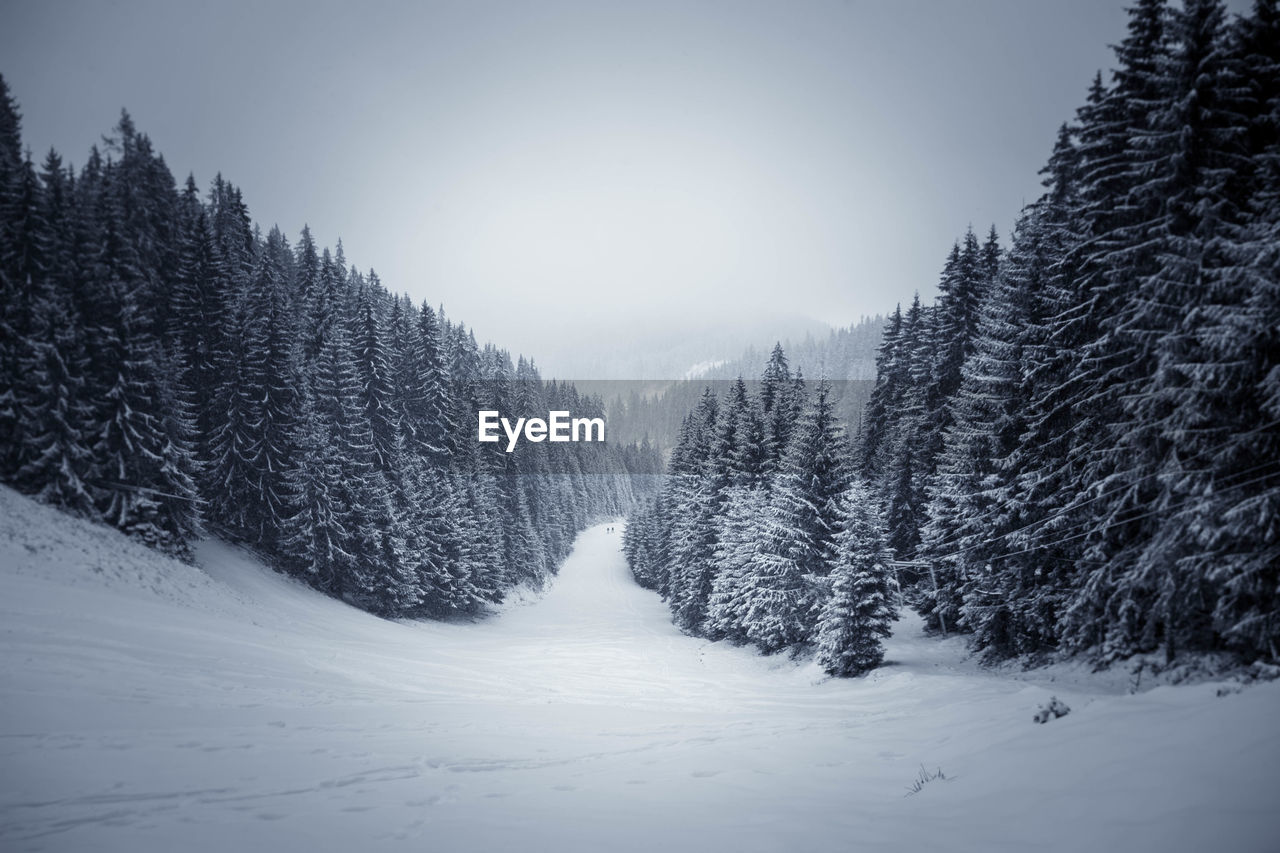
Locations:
{"points": [[540, 165]]}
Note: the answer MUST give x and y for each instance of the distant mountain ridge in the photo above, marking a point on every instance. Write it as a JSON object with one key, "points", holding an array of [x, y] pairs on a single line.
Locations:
{"points": [[655, 410], [637, 349]]}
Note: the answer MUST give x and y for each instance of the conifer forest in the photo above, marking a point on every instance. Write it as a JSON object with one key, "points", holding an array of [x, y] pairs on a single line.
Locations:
{"points": [[812, 426], [168, 368], [1076, 446]]}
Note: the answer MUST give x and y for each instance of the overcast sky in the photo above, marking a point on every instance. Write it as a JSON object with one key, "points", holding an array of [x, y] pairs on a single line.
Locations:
{"points": [[539, 165]]}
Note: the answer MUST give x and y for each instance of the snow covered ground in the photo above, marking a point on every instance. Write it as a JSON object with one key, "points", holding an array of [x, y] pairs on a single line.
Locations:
{"points": [[149, 705]]}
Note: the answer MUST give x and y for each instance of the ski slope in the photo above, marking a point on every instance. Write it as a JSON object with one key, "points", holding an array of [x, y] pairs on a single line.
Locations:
{"points": [[150, 705]]}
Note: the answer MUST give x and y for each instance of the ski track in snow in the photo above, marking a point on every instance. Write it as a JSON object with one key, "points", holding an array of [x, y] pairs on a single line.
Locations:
{"points": [[149, 705]]}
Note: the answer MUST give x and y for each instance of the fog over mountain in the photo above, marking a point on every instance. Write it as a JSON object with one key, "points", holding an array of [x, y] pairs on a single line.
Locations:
{"points": [[534, 165], [599, 425], [675, 348]]}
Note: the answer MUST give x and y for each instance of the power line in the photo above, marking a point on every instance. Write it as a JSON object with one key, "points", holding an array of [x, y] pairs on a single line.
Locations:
{"points": [[1093, 529], [1076, 506], [131, 488], [1223, 446]]}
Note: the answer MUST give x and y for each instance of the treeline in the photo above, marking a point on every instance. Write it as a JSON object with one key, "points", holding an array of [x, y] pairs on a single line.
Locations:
{"points": [[848, 352], [1080, 443], [846, 356], [762, 533], [165, 366]]}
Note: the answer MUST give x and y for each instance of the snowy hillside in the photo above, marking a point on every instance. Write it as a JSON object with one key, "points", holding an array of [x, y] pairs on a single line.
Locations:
{"points": [[149, 705]]}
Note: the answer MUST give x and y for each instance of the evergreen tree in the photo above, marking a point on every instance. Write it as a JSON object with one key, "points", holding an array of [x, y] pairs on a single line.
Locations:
{"points": [[57, 417], [859, 612], [736, 552], [693, 534], [903, 469], [141, 469], [776, 406], [891, 378], [374, 372], [799, 530]]}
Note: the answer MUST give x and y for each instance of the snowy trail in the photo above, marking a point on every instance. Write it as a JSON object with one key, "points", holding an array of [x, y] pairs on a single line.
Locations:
{"points": [[147, 705]]}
